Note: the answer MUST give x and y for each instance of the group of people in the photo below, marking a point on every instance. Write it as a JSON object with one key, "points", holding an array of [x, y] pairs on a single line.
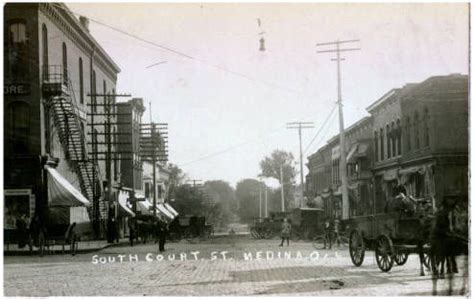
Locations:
{"points": [[144, 229]]}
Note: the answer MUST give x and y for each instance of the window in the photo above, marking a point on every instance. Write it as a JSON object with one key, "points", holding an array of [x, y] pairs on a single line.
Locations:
{"points": [[408, 133], [382, 145], [399, 138], [65, 77], [376, 146], [94, 91], [389, 143], [147, 190], [81, 82], [394, 137], [95, 146], [18, 127], [45, 53], [426, 130], [17, 50], [416, 126]]}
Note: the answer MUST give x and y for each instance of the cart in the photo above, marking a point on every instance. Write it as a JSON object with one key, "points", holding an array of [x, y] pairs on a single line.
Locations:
{"points": [[393, 236]]}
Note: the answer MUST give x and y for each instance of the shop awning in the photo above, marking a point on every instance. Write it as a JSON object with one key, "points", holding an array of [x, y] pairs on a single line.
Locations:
{"points": [[350, 156], [319, 202], [144, 207], [390, 175], [361, 150], [122, 199], [62, 192], [411, 170], [171, 209], [164, 211]]}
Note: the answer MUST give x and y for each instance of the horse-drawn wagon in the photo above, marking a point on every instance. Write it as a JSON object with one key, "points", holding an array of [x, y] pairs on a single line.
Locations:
{"points": [[392, 236]]}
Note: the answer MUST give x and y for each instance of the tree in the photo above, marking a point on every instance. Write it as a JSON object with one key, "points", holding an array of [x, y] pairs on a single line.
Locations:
{"points": [[271, 166], [247, 194], [224, 204], [188, 200], [176, 179]]}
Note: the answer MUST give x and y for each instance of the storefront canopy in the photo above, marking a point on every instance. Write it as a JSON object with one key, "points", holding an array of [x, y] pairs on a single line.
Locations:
{"points": [[62, 192], [145, 207], [350, 156], [164, 211], [123, 202], [171, 209]]}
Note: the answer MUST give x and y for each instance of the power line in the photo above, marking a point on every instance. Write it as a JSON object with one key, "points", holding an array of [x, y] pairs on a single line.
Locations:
{"points": [[320, 128], [179, 53]]}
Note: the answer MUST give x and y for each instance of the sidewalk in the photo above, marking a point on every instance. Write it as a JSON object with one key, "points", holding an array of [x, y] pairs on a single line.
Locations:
{"points": [[83, 246]]}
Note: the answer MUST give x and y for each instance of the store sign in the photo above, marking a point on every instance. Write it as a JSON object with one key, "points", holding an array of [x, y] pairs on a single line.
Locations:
{"points": [[16, 89]]}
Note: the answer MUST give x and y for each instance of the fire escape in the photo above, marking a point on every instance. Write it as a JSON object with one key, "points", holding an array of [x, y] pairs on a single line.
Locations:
{"points": [[61, 102]]}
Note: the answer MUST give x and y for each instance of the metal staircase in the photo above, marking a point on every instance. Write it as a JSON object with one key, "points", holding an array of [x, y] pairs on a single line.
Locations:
{"points": [[62, 105]]}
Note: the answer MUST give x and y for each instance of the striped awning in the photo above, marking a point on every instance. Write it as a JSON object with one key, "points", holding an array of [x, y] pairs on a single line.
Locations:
{"points": [[61, 192]]}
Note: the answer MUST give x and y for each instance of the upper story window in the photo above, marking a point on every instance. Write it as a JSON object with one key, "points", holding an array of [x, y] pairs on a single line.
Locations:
{"points": [[389, 143], [65, 77], [18, 127], [94, 91], [416, 126], [399, 138], [394, 137], [426, 129], [408, 133], [382, 145], [44, 34], [81, 82], [17, 62], [376, 146]]}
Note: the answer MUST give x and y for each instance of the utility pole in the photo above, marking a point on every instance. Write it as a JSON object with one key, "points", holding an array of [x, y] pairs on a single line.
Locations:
{"points": [[299, 126], [194, 182], [260, 201], [282, 191], [266, 201], [342, 145]]}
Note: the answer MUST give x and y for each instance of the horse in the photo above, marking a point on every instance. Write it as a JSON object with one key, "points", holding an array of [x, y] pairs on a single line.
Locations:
{"points": [[448, 240]]}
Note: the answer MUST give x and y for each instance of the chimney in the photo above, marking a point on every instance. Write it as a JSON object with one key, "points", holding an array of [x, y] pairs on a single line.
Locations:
{"points": [[84, 22]]}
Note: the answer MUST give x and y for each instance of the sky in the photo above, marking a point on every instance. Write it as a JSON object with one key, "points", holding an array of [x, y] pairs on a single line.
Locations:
{"points": [[227, 103]]}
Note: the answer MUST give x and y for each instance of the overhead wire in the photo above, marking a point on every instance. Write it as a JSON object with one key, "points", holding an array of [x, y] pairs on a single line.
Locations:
{"points": [[320, 128], [179, 53]]}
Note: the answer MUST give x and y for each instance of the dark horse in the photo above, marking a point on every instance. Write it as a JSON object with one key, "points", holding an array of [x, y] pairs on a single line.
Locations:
{"points": [[449, 238]]}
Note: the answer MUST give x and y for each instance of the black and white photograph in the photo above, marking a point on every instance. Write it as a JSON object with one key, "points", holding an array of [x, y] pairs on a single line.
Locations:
{"points": [[236, 149]]}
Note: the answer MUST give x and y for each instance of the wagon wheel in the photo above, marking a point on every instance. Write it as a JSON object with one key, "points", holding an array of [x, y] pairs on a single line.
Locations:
{"points": [[401, 258], [384, 253], [321, 242], [269, 234], [427, 260], [356, 248], [254, 233]]}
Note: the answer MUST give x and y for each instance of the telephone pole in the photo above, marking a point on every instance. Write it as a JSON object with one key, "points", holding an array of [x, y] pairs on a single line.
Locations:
{"points": [[282, 191], [299, 126], [342, 145]]}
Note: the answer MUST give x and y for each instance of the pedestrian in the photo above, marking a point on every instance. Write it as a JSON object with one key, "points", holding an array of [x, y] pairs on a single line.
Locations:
{"points": [[131, 230], [21, 225], [328, 231], [285, 232], [162, 233]]}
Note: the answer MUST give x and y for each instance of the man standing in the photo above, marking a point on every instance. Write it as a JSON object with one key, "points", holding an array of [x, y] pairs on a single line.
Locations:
{"points": [[285, 232], [162, 234]]}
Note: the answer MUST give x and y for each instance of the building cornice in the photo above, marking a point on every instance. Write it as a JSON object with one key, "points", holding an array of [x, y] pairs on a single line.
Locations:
{"points": [[63, 18]]}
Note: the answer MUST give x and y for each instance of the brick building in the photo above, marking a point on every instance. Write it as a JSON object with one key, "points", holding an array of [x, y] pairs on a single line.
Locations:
{"points": [[416, 136], [324, 179], [52, 63]]}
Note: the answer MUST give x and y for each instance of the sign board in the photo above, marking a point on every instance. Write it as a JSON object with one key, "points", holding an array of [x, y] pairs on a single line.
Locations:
{"points": [[16, 89]]}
